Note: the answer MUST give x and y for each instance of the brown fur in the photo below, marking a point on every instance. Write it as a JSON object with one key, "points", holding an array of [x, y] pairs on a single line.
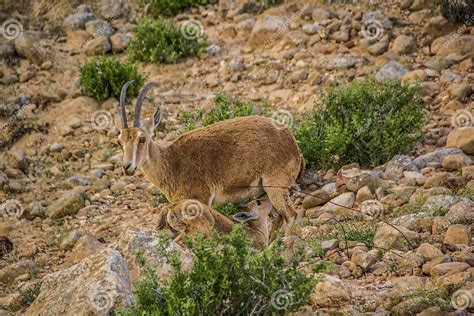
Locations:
{"points": [[206, 220], [225, 162]]}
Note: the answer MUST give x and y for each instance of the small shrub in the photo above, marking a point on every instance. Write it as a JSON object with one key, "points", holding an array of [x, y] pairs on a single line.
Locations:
{"points": [[224, 108], [103, 78], [160, 41], [458, 11], [227, 209], [170, 7], [228, 277], [369, 122]]}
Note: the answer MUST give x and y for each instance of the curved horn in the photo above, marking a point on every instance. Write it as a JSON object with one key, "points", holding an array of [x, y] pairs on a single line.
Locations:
{"points": [[138, 106], [123, 96]]}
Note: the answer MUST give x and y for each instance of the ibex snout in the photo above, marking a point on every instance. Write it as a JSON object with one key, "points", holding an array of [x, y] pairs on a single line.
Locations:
{"points": [[128, 169]]}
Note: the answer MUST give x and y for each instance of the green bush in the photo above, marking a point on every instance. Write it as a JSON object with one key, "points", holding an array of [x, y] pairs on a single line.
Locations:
{"points": [[224, 108], [160, 41], [229, 277], [227, 209], [369, 122], [103, 78], [458, 11], [170, 7]]}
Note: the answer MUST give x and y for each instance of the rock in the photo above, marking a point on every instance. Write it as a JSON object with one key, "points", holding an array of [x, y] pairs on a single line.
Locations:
{"points": [[461, 91], [363, 259], [84, 247], [438, 64], [462, 138], [26, 47], [317, 198], [391, 71], [212, 50], [448, 267], [435, 157], [119, 42], [9, 273], [18, 159], [97, 46], [67, 204], [311, 28], [97, 285], [71, 239], [396, 167], [456, 162], [462, 212], [388, 237], [118, 187], [6, 246], [339, 62], [98, 28], [78, 21], [330, 292], [363, 194], [267, 31], [428, 251], [414, 76], [55, 148], [373, 208], [356, 179], [456, 46], [133, 242], [458, 235], [404, 44], [345, 200]]}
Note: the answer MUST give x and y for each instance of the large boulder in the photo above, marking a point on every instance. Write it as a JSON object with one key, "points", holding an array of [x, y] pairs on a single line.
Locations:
{"points": [[330, 292], [97, 285], [133, 243], [399, 238], [267, 31], [462, 138]]}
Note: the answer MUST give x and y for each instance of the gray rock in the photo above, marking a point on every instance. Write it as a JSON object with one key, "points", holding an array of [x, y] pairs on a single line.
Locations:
{"points": [[67, 204], [55, 148], [78, 20], [391, 71], [213, 49], [97, 285], [449, 76], [340, 63], [396, 167], [119, 42], [311, 28], [98, 28], [435, 157]]}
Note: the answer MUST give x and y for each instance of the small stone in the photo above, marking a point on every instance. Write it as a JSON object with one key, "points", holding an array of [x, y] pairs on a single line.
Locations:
{"points": [[388, 237], [456, 162], [67, 204], [428, 251], [462, 138], [316, 198], [458, 235], [118, 187], [330, 292], [71, 239], [84, 247], [9, 273], [391, 71], [363, 194], [98, 46], [404, 44], [449, 267], [55, 148], [119, 42]]}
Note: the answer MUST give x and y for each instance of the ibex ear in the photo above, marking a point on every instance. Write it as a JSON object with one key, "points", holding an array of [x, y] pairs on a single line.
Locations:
{"points": [[244, 217], [118, 122], [154, 121]]}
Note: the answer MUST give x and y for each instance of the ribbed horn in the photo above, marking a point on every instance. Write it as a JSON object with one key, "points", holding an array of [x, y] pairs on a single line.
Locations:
{"points": [[138, 106], [123, 97]]}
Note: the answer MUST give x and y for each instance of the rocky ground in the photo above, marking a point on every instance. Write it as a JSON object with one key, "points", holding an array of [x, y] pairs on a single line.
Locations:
{"points": [[72, 222]]}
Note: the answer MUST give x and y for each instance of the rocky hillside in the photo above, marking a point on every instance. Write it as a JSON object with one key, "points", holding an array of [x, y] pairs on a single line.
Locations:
{"points": [[72, 223]]}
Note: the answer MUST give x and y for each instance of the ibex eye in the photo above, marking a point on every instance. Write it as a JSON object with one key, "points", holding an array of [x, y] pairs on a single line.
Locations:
{"points": [[142, 140]]}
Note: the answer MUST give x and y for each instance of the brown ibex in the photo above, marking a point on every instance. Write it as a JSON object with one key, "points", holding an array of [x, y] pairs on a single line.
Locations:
{"points": [[226, 162], [189, 217]]}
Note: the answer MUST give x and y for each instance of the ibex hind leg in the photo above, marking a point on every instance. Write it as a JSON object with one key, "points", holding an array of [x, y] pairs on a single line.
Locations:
{"points": [[279, 197]]}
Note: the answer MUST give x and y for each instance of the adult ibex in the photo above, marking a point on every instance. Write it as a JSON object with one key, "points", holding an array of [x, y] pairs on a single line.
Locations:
{"points": [[226, 162]]}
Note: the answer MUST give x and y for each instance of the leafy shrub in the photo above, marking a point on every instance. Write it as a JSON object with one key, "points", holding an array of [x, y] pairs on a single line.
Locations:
{"points": [[170, 7], [369, 122], [228, 277], [225, 108], [103, 78], [458, 11], [160, 41], [227, 209]]}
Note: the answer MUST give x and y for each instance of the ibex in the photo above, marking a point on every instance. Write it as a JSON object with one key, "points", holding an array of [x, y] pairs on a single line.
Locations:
{"points": [[189, 217], [226, 162]]}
